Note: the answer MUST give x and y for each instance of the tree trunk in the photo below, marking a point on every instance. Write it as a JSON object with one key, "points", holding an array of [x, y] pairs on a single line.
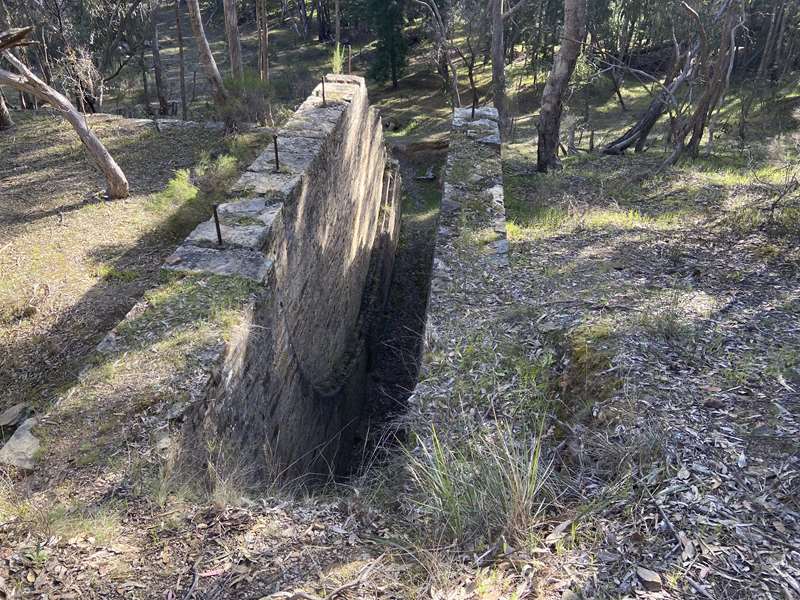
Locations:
{"points": [[338, 24], [499, 66], [767, 52], [637, 135], [181, 65], [552, 97], [163, 105], [302, 10], [615, 82], [323, 21], [27, 82], [716, 83], [263, 39], [145, 88], [234, 42], [5, 116], [778, 51], [207, 61], [441, 38]]}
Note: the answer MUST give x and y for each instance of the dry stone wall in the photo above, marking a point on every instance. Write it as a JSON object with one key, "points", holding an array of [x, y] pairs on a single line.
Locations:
{"points": [[252, 356], [472, 199], [471, 249], [320, 232]]}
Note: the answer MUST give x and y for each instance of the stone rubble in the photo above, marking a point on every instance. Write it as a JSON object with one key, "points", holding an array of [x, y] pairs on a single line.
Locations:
{"points": [[13, 417]]}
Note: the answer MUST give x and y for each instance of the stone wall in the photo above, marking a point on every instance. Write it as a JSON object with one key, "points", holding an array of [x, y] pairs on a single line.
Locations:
{"points": [[472, 200], [319, 234], [471, 250]]}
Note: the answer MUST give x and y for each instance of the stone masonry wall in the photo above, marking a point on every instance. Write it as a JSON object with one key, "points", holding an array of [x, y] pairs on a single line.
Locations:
{"points": [[320, 235]]}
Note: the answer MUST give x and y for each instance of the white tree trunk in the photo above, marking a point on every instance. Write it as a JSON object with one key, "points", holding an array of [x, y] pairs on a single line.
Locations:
{"points": [[181, 63], [338, 11], [553, 95], [263, 39], [27, 82], [498, 65], [5, 116], [206, 58], [163, 105]]}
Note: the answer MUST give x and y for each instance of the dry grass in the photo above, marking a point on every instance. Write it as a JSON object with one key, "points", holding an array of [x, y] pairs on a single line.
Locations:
{"points": [[72, 264]]}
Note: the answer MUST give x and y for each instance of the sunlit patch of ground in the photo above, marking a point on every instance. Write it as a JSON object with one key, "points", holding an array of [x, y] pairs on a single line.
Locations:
{"points": [[680, 288], [73, 263]]}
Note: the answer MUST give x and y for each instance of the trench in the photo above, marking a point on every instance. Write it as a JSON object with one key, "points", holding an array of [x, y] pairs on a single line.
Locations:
{"points": [[330, 352], [395, 344]]}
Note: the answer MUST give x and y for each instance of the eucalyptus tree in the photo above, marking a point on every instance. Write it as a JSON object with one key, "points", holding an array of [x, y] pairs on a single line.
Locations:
{"points": [[23, 79], [549, 124], [234, 40], [209, 65]]}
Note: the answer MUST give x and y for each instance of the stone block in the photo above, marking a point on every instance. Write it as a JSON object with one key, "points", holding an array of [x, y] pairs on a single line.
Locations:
{"points": [[21, 449], [274, 186], [237, 236], [312, 120], [464, 115], [12, 417], [239, 212], [294, 154], [226, 261]]}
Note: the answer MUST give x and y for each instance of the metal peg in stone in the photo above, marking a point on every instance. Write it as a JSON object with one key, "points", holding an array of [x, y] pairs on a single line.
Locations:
{"points": [[216, 224], [323, 92], [349, 59], [277, 162]]}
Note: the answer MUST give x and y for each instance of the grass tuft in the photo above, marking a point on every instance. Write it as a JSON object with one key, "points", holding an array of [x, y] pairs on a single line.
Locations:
{"points": [[491, 483]]}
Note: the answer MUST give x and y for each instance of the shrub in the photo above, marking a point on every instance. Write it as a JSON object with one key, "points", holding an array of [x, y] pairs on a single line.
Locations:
{"points": [[250, 99]]}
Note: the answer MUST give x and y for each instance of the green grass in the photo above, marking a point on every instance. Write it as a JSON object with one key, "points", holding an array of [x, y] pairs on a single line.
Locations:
{"points": [[490, 483]]}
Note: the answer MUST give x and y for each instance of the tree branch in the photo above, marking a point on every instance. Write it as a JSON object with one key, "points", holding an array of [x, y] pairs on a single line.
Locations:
{"points": [[14, 37], [514, 8]]}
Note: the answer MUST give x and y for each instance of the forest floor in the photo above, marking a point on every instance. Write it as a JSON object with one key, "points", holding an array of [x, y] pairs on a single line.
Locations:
{"points": [[672, 302], [73, 263], [653, 317]]}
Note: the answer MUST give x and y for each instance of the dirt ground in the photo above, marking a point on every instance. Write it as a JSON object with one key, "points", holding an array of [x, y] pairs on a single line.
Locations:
{"points": [[675, 309]]}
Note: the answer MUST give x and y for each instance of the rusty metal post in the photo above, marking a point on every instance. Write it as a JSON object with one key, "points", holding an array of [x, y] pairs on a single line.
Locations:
{"points": [[216, 223]]}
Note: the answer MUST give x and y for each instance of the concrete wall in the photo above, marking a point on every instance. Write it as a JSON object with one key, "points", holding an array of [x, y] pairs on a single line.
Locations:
{"points": [[320, 234]]}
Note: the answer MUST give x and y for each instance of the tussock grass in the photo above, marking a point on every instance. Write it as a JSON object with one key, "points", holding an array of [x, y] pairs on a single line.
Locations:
{"points": [[490, 483]]}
